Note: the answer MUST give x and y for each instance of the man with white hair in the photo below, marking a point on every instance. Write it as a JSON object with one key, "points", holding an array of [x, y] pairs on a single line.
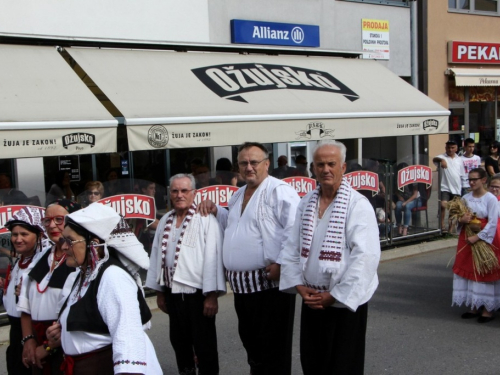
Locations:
{"points": [[187, 273], [331, 259]]}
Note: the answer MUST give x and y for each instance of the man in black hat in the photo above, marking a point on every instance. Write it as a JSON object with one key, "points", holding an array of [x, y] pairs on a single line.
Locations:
{"points": [[453, 177]]}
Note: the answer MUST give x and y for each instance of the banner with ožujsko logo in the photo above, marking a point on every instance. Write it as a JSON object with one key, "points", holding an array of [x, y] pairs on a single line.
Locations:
{"points": [[219, 194], [132, 206], [302, 185], [363, 180], [414, 174]]}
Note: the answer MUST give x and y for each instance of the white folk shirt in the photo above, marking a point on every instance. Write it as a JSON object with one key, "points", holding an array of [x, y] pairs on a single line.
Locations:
{"points": [[255, 239], [453, 176], [9, 296], [41, 306], [356, 280], [118, 306], [470, 163], [200, 258]]}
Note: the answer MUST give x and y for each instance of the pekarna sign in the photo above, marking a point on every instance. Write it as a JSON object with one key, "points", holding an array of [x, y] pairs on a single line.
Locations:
{"points": [[274, 33], [473, 53]]}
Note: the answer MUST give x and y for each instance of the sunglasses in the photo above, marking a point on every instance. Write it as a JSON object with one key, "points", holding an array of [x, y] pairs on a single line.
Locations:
{"points": [[96, 193], [67, 241], [58, 220]]}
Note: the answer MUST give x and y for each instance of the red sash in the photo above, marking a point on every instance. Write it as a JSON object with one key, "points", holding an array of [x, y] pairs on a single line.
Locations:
{"points": [[464, 264]]}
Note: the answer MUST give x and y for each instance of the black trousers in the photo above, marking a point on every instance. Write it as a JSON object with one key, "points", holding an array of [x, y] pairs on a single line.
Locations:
{"points": [[265, 325], [332, 341], [14, 352], [192, 333]]}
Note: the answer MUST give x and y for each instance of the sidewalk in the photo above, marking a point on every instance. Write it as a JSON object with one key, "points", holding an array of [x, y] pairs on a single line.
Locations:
{"points": [[387, 255]]}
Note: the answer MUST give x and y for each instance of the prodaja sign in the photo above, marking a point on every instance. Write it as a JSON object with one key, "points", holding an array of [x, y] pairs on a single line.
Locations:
{"points": [[473, 53]]}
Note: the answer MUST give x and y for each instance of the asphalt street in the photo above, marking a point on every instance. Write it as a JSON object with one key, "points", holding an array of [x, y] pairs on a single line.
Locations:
{"points": [[412, 328]]}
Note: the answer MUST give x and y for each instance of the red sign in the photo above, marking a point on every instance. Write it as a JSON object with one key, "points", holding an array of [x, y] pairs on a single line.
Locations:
{"points": [[219, 194], [473, 52], [6, 213], [302, 185], [414, 174], [363, 180], [132, 206]]}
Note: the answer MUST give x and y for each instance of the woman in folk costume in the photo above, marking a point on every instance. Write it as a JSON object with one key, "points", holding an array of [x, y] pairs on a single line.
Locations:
{"points": [[103, 308], [494, 188], [27, 233], [41, 291], [470, 286]]}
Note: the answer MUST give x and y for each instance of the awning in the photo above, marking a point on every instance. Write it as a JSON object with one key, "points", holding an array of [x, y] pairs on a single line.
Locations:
{"points": [[173, 99], [45, 108], [475, 77]]}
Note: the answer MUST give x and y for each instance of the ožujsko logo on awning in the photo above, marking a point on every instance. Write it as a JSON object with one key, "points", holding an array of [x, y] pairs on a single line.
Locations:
{"points": [[231, 80], [78, 138]]}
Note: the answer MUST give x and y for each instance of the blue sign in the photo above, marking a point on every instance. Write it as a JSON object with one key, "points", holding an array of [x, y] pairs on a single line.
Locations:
{"points": [[275, 33]]}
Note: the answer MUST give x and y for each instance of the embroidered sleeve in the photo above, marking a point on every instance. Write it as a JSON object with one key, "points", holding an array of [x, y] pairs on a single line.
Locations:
{"points": [[155, 258], [489, 231], [119, 308]]}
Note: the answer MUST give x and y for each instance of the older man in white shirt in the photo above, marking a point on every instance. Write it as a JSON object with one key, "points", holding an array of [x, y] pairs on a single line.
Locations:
{"points": [[187, 273], [331, 260], [259, 220]]}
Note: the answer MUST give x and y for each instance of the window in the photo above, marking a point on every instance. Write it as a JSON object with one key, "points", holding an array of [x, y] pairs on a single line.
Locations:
{"points": [[474, 6]]}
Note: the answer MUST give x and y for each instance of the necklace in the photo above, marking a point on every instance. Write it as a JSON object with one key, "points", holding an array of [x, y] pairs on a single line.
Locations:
{"points": [[24, 262], [54, 264]]}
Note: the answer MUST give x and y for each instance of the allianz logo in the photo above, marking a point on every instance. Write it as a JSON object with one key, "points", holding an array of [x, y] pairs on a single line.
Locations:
{"points": [[229, 81], [265, 32]]}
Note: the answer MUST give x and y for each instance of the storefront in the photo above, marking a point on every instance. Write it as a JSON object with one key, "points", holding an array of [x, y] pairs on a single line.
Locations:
{"points": [[473, 92]]}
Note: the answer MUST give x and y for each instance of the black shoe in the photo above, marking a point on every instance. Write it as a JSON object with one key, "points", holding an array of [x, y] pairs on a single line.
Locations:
{"points": [[485, 319], [469, 315]]}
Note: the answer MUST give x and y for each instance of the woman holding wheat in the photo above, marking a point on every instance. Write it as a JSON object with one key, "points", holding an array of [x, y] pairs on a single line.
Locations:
{"points": [[476, 280]]}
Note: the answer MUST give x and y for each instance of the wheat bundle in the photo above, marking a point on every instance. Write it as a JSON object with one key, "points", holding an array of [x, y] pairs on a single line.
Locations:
{"points": [[485, 260]]}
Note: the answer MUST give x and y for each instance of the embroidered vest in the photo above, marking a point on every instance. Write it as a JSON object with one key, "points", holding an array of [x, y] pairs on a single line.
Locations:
{"points": [[42, 268], [84, 314]]}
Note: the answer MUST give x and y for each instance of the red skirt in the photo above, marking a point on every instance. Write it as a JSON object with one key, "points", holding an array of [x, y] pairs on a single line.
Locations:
{"points": [[464, 264]]}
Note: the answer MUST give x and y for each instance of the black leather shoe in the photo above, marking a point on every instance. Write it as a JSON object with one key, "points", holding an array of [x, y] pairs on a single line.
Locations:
{"points": [[469, 315], [485, 319]]}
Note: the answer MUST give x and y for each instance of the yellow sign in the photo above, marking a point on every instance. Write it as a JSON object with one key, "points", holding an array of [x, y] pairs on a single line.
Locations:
{"points": [[375, 25]]}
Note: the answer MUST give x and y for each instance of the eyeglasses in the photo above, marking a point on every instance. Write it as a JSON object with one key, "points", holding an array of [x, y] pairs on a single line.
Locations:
{"points": [[58, 220], [183, 191], [96, 193], [253, 163], [67, 241], [494, 187], [474, 179]]}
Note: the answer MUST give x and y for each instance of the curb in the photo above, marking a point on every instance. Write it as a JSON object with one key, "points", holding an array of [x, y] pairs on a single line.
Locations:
{"points": [[424, 247], [387, 255]]}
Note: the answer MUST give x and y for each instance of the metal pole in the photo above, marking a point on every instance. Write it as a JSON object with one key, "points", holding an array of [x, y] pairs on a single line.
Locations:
{"points": [[414, 67]]}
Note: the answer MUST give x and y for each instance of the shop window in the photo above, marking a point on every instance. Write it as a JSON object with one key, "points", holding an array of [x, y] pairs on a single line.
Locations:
{"points": [[482, 121], [456, 94], [457, 120], [474, 6]]}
